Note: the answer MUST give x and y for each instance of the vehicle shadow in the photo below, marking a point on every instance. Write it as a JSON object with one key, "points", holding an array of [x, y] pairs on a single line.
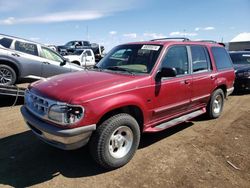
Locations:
{"points": [[151, 138], [6, 101], [27, 161], [239, 93]]}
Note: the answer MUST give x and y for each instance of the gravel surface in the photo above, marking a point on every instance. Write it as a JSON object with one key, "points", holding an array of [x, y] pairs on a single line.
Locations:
{"points": [[199, 153]]}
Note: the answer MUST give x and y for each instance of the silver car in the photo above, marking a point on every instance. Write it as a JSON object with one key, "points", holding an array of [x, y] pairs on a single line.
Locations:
{"points": [[20, 58]]}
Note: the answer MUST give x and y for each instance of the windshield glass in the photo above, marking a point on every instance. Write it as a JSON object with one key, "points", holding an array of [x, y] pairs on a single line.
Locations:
{"points": [[78, 52], [240, 58], [133, 58], [71, 43]]}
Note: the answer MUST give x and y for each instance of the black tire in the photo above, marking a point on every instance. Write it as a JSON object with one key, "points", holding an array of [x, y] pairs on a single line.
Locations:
{"points": [[7, 75], [115, 141], [215, 105]]}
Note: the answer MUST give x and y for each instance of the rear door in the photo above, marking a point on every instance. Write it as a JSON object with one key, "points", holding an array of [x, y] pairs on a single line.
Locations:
{"points": [[173, 94], [51, 63], [27, 54], [202, 76]]}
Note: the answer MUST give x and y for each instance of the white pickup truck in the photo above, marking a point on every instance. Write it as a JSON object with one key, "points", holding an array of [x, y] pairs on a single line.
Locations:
{"points": [[82, 57]]}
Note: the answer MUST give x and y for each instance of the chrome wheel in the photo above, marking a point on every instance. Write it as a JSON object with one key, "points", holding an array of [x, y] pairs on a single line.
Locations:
{"points": [[6, 76], [120, 142], [217, 104]]}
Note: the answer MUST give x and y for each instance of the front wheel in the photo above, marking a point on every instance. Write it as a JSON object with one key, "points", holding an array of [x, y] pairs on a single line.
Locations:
{"points": [[115, 141], [216, 103]]}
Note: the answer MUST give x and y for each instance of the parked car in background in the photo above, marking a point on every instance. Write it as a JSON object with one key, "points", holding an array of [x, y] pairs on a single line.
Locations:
{"points": [[241, 61], [82, 57], [20, 58], [137, 87], [71, 46]]}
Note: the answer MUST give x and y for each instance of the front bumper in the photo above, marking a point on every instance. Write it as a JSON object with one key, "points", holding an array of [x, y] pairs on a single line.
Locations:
{"points": [[66, 139]]}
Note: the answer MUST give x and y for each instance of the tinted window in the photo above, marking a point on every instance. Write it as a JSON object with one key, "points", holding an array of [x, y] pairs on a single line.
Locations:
{"points": [[240, 58], [88, 53], [5, 42], [49, 54], [221, 57], [177, 58], [135, 58], [85, 43], [26, 47], [200, 61]]}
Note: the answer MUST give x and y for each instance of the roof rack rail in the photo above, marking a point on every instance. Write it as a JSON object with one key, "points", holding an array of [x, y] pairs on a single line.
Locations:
{"points": [[210, 41], [174, 38]]}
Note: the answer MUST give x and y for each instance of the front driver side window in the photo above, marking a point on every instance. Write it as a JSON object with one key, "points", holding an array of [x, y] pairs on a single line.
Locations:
{"points": [[49, 54], [177, 58]]}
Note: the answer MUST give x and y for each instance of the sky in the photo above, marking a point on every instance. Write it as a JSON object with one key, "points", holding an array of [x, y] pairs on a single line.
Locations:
{"points": [[113, 22]]}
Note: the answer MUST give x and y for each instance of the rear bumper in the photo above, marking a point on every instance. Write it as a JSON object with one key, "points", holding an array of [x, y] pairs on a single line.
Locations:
{"points": [[66, 139]]}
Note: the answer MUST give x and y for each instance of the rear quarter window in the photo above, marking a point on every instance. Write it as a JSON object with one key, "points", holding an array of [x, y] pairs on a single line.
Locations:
{"points": [[5, 42], [221, 58]]}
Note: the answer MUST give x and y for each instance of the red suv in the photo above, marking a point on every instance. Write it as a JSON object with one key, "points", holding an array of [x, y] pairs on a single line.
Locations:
{"points": [[136, 88]]}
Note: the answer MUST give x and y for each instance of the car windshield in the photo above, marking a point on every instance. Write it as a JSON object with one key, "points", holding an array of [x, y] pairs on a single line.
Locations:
{"points": [[240, 58], [131, 58], [70, 43], [78, 52]]}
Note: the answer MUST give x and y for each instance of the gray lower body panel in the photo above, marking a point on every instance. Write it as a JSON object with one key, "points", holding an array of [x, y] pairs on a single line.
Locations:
{"points": [[66, 139]]}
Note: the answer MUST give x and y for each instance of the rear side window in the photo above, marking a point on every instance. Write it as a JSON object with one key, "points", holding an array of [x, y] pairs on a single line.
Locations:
{"points": [[200, 60], [222, 59], [26, 48], [5, 42]]}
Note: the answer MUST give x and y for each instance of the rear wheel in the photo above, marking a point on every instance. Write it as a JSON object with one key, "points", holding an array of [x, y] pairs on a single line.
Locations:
{"points": [[115, 141], [215, 106], [7, 75]]}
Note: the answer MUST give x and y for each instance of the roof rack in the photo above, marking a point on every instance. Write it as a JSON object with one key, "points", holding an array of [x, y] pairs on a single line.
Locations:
{"points": [[210, 41], [174, 38]]}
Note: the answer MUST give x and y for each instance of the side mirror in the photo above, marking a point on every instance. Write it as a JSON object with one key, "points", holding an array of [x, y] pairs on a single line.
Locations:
{"points": [[63, 62], [166, 72]]}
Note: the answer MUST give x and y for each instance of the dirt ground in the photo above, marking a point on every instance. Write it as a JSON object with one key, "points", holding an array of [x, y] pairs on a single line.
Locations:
{"points": [[200, 153]]}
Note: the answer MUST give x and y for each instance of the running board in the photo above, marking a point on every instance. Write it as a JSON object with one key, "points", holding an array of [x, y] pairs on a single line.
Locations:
{"points": [[178, 120]]}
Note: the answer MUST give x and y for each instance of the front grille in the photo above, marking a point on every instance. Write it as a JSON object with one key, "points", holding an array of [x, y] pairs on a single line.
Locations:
{"points": [[37, 105]]}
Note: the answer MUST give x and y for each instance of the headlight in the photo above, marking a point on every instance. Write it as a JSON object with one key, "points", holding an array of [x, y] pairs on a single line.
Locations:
{"points": [[65, 114]]}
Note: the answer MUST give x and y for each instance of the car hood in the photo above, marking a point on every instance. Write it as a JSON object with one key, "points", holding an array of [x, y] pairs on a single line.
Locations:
{"points": [[239, 67], [79, 87]]}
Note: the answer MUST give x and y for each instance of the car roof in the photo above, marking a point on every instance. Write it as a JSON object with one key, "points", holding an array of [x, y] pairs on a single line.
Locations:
{"points": [[21, 39]]}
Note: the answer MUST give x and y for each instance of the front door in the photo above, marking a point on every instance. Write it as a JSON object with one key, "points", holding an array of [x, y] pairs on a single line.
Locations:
{"points": [[52, 63], [172, 95]]}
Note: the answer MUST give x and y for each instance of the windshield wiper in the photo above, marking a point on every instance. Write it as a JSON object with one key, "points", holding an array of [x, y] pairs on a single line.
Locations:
{"points": [[116, 68]]}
